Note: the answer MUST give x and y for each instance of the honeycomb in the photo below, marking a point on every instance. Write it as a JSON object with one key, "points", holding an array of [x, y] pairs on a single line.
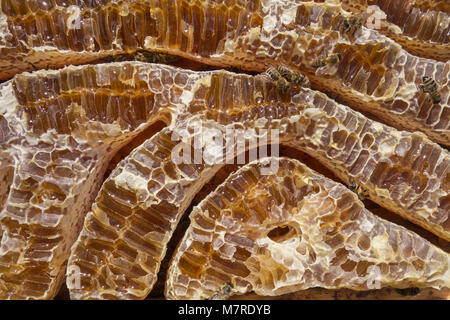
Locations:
{"points": [[421, 26], [154, 185], [92, 189], [290, 231], [376, 74]]}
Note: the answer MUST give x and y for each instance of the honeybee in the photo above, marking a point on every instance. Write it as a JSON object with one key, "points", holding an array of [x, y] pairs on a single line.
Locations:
{"points": [[361, 192], [295, 77], [280, 81], [429, 86], [224, 293], [352, 24], [331, 60], [154, 57], [117, 58], [142, 56]]}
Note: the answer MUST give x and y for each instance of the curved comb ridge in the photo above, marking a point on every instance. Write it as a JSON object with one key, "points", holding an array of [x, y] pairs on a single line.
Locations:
{"points": [[291, 230]]}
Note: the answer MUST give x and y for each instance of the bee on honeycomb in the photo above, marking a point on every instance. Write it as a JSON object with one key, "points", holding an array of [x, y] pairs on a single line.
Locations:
{"points": [[154, 57], [142, 56], [331, 60], [224, 293], [277, 78], [352, 24], [294, 77], [429, 86], [361, 192]]}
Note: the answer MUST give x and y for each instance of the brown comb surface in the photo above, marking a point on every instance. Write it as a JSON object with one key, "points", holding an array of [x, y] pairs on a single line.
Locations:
{"points": [[376, 75], [292, 230], [422, 27], [58, 130]]}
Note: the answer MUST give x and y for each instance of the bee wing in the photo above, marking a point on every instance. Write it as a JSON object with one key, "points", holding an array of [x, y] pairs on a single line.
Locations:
{"points": [[326, 70], [265, 75], [420, 86], [270, 68]]}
